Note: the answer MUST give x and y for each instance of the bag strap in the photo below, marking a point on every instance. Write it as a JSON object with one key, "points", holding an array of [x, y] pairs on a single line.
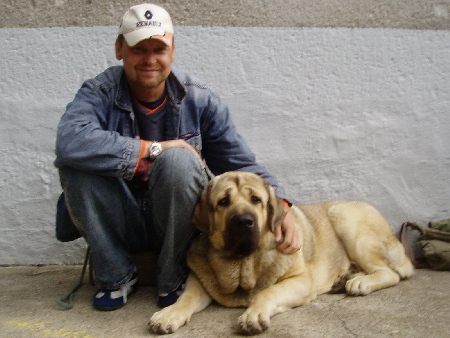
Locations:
{"points": [[431, 233], [67, 300], [403, 237], [443, 225]]}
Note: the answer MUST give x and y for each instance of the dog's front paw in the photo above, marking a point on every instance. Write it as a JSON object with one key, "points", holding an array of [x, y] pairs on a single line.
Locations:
{"points": [[359, 286], [168, 320], [253, 322]]}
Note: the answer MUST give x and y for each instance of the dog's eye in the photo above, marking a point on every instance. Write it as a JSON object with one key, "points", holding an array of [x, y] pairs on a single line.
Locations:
{"points": [[255, 200], [224, 202]]}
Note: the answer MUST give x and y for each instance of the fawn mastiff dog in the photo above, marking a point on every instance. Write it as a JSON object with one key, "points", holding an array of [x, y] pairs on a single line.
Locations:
{"points": [[235, 261]]}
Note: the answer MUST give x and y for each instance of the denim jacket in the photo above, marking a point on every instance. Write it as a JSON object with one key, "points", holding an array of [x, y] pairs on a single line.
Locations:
{"points": [[97, 131]]}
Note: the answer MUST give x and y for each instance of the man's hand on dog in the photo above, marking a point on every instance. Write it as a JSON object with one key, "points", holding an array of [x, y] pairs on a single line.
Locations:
{"points": [[287, 237]]}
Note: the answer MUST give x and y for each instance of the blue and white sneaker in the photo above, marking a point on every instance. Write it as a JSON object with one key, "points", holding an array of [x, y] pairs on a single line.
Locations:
{"points": [[109, 300], [167, 299]]}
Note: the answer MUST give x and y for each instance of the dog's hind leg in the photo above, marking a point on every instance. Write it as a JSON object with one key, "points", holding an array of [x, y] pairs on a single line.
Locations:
{"points": [[399, 261], [383, 264], [374, 277], [371, 245]]}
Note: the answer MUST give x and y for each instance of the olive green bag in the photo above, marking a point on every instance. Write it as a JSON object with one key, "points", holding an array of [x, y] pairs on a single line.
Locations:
{"points": [[433, 242]]}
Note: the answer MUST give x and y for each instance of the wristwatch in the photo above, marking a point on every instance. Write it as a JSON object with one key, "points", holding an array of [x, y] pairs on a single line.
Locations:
{"points": [[154, 150]]}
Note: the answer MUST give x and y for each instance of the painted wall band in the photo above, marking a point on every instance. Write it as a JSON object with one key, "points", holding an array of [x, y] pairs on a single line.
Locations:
{"points": [[403, 14]]}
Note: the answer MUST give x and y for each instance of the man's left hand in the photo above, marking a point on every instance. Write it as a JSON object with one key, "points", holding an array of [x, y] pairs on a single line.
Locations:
{"points": [[287, 237]]}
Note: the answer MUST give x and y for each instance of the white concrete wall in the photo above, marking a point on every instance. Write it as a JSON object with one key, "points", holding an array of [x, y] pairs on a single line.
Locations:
{"points": [[333, 113]]}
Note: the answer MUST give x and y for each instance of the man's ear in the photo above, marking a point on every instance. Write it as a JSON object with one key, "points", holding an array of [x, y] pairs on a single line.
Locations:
{"points": [[276, 209], [118, 48], [202, 211]]}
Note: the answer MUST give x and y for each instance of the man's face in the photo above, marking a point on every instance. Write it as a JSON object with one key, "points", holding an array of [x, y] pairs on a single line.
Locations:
{"points": [[147, 66]]}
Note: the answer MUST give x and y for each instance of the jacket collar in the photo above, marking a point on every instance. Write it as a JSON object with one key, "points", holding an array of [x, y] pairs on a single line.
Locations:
{"points": [[175, 89], [176, 92], [123, 96]]}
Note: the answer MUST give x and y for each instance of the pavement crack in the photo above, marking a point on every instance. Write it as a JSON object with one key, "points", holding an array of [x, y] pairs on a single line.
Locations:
{"points": [[343, 321]]}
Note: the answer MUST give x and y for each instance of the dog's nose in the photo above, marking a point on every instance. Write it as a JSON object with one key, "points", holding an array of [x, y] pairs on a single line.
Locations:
{"points": [[243, 221]]}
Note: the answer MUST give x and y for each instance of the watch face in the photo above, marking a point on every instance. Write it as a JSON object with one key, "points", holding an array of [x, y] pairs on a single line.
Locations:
{"points": [[155, 149]]}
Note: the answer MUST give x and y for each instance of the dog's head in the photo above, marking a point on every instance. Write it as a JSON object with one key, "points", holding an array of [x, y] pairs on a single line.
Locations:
{"points": [[238, 210]]}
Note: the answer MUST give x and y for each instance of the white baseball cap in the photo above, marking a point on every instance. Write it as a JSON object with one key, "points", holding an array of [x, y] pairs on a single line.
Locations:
{"points": [[146, 21]]}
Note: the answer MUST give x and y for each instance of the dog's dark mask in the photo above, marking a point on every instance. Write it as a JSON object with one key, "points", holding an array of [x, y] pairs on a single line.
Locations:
{"points": [[242, 235]]}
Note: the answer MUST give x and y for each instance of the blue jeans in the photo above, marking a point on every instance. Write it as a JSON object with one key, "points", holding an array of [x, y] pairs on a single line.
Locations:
{"points": [[117, 221]]}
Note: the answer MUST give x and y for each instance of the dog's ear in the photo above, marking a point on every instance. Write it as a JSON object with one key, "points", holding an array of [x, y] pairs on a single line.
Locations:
{"points": [[202, 210], [275, 208]]}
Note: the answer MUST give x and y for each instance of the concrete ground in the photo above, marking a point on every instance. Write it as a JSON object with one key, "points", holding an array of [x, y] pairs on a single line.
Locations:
{"points": [[418, 307]]}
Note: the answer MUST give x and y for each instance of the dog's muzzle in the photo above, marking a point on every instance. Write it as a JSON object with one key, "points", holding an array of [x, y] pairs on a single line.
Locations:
{"points": [[242, 235]]}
